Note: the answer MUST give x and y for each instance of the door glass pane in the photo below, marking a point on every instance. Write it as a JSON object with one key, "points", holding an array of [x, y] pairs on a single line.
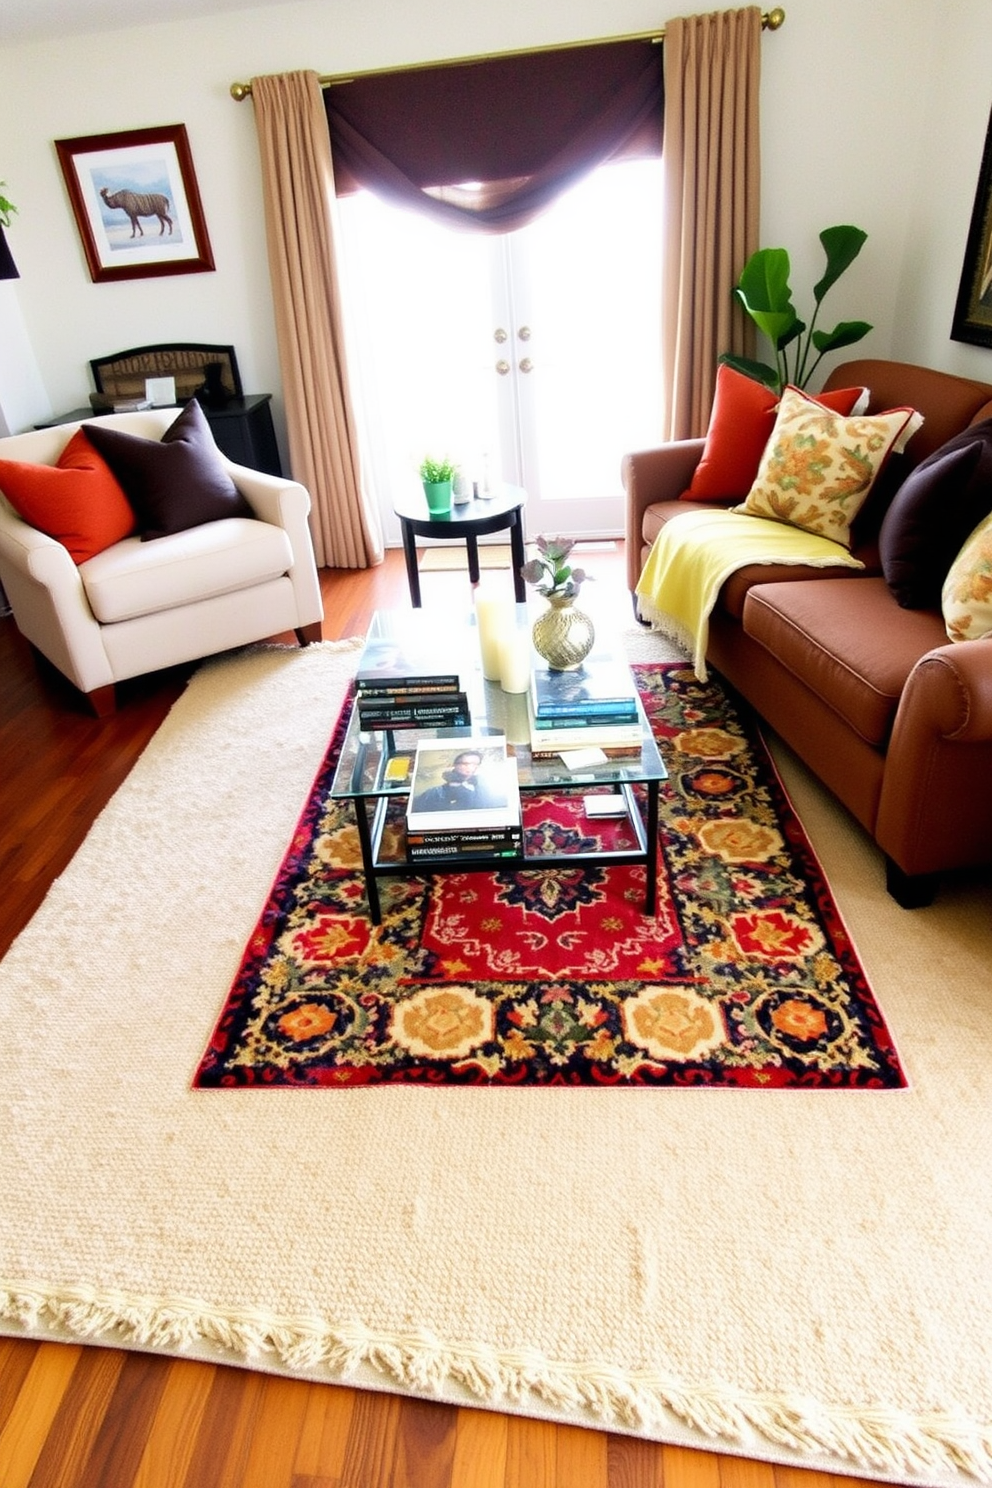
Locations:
{"points": [[587, 282], [418, 304]]}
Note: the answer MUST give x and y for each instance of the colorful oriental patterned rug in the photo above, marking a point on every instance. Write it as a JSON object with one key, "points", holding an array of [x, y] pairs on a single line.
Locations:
{"points": [[745, 977]]}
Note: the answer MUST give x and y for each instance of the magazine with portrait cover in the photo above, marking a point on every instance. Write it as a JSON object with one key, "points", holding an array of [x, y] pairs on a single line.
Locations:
{"points": [[462, 785]]}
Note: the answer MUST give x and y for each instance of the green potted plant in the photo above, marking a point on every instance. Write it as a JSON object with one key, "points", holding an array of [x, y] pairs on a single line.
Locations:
{"points": [[438, 477], [763, 289]]}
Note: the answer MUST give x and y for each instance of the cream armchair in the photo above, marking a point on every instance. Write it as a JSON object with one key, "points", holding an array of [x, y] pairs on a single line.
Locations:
{"points": [[138, 606]]}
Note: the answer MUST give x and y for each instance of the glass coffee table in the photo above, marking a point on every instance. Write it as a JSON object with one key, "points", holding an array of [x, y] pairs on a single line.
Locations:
{"points": [[368, 776]]}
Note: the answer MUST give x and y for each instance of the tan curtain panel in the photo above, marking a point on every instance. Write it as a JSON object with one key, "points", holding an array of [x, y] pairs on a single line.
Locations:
{"points": [[298, 189], [712, 67]]}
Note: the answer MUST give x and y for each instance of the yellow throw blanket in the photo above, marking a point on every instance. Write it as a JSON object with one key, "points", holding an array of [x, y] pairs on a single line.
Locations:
{"points": [[697, 551]]}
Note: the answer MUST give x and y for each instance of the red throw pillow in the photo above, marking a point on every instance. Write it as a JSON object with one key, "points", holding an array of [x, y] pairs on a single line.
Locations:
{"points": [[79, 501], [742, 419]]}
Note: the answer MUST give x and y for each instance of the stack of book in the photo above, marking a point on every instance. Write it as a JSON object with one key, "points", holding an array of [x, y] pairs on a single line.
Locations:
{"points": [[464, 801], [397, 688], [592, 707]]}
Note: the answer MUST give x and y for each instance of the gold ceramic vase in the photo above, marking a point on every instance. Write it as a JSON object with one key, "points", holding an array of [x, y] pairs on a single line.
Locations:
{"points": [[563, 635]]}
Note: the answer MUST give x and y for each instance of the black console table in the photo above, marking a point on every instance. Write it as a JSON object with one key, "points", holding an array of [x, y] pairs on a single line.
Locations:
{"points": [[242, 428]]}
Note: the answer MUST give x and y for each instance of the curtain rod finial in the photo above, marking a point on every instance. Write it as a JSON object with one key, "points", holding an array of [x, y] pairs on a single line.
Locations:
{"points": [[775, 18], [240, 91]]}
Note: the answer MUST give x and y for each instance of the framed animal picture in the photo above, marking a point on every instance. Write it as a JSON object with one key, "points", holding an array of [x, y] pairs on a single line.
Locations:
{"points": [[136, 203]]}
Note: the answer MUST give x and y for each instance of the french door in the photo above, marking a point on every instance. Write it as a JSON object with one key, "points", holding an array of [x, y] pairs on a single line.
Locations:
{"points": [[532, 357]]}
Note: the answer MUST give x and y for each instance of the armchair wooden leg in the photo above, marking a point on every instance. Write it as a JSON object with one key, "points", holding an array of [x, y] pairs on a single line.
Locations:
{"points": [[103, 700], [308, 635]]}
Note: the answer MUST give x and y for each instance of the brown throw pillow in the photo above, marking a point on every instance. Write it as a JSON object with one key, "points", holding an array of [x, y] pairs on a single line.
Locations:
{"points": [[173, 483], [932, 514]]}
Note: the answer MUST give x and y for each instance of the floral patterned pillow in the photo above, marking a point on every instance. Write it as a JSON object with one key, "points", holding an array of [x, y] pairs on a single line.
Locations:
{"points": [[966, 599], [819, 466]]}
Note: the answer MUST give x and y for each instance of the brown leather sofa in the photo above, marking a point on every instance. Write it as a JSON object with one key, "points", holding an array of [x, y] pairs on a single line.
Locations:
{"points": [[894, 718]]}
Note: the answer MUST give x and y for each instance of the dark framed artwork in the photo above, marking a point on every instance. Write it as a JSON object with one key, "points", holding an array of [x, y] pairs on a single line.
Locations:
{"points": [[136, 203], [973, 312]]}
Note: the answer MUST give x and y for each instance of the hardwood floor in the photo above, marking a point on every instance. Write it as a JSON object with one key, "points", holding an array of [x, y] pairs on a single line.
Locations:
{"points": [[83, 1417]]}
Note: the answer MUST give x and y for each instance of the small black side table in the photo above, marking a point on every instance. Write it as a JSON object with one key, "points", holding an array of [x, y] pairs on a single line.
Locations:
{"points": [[242, 429], [476, 518]]}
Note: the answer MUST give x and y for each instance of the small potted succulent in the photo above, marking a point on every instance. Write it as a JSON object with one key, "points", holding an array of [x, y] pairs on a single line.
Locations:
{"points": [[438, 477], [563, 635]]}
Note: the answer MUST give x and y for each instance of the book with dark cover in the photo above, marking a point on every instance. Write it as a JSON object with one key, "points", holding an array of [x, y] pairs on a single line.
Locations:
{"points": [[462, 784], [602, 686], [440, 710], [396, 663], [508, 843]]}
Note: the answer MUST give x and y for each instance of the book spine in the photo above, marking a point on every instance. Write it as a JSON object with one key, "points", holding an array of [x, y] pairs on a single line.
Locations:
{"points": [[415, 718], [469, 837], [597, 719], [440, 682], [560, 738], [456, 849], [612, 751]]}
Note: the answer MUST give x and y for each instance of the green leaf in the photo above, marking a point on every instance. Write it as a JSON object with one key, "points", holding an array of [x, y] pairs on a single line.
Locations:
{"points": [[757, 371], [764, 282], [842, 246], [845, 333]]}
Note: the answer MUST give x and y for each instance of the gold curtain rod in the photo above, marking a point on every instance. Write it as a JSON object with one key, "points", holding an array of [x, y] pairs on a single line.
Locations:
{"points": [[770, 21]]}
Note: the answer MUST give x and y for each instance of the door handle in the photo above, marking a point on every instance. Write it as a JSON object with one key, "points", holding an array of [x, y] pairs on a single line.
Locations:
{"points": [[526, 365], [499, 335], [524, 333], [502, 367]]}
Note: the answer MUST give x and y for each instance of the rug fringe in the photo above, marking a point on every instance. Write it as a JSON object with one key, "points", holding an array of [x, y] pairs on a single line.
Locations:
{"points": [[872, 1438]]}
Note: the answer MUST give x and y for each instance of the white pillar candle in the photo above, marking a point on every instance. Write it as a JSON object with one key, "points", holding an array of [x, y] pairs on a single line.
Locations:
{"points": [[514, 659], [494, 617]]}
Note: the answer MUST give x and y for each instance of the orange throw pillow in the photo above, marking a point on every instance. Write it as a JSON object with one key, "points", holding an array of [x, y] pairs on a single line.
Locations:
{"points": [[742, 420], [79, 501]]}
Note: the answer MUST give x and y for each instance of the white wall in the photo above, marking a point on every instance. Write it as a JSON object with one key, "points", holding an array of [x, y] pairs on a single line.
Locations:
{"points": [[874, 112]]}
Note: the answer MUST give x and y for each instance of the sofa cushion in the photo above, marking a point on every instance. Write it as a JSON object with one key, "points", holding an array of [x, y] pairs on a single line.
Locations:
{"points": [[819, 466], [741, 420], [78, 501], [135, 578], [966, 599], [174, 483], [932, 514], [848, 641]]}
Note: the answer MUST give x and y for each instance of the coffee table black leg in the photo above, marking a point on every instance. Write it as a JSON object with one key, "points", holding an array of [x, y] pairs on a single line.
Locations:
{"points": [[651, 866], [518, 558], [410, 552], [368, 862], [472, 544]]}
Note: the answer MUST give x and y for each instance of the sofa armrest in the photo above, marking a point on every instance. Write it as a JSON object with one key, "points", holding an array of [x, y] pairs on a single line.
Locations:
{"points": [[935, 809], [286, 504], [648, 476]]}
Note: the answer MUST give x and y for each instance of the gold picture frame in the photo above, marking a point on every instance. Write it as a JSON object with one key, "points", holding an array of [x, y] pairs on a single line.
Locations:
{"points": [[973, 311], [136, 203]]}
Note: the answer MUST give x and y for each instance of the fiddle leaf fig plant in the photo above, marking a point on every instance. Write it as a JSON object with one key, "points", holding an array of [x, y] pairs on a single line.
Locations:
{"points": [[763, 289]]}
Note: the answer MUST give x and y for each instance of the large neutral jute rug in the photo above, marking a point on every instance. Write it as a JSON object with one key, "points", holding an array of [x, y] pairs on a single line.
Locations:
{"points": [[796, 1275]]}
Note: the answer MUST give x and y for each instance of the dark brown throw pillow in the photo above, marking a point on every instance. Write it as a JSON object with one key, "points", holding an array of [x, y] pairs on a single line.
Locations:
{"points": [[173, 483], [933, 513]]}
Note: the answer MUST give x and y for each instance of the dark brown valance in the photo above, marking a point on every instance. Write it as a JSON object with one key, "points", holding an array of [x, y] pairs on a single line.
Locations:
{"points": [[521, 128]]}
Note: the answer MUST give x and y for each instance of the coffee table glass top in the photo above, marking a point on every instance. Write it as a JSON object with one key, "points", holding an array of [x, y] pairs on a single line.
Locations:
{"points": [[364, 768]]}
